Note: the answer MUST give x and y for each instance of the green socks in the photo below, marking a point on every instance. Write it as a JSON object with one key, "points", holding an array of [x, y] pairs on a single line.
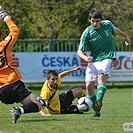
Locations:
{"points": [[101, 89], [93, 98]]}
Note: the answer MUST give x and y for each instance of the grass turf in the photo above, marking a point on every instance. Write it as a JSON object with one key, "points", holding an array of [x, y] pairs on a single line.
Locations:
{"points": [[116, 110]]}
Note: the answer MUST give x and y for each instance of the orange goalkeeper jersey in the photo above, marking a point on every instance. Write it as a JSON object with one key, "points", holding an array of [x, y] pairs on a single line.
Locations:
{"points": [[8, 73]]}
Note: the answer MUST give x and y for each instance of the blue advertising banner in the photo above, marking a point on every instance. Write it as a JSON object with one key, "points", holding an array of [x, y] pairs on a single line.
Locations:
{"points": [[34, 66]]}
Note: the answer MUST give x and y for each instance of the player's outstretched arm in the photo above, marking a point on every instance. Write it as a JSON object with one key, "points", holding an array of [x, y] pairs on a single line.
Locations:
{"points": [[65, 73], [121, 33], [13, 28], [41, 112]]}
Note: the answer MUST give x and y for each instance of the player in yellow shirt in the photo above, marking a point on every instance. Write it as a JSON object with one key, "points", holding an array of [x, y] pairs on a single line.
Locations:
{"points": [[60, 103]]}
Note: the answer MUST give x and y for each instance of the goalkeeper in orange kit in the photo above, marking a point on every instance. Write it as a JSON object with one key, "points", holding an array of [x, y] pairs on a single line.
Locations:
{"points": [[12, 89]]}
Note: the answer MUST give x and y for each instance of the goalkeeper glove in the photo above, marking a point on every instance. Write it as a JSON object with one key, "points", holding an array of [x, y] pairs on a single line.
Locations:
{"points": [[3, 14]]}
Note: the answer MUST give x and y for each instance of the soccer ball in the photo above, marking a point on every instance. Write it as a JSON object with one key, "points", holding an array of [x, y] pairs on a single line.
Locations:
{"points": [[84, 104]]}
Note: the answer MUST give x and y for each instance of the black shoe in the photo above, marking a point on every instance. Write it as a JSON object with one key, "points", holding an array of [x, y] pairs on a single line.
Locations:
{"points": [[42, 102], [96, 114], [16, 112], [98, 105]]}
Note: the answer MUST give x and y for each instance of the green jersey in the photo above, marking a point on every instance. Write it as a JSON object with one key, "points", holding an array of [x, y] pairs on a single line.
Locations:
{"points": [[99, 42]]}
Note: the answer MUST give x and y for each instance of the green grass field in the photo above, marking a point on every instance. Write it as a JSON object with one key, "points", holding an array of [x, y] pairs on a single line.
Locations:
{"points": [[117, 109]]}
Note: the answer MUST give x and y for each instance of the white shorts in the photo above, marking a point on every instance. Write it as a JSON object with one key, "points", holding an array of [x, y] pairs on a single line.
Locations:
{"points": [[95, 68]]}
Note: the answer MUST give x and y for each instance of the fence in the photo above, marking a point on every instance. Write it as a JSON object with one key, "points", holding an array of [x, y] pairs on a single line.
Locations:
{"points": [[58, 45]]}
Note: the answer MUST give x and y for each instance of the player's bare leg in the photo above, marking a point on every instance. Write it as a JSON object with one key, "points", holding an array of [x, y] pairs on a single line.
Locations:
{"points": [[101, 89], [91, 94], [78, 92], [30, 104]]}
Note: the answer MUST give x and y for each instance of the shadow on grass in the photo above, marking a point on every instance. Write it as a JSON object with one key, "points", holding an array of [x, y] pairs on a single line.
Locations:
{"points": [[54, 118]]}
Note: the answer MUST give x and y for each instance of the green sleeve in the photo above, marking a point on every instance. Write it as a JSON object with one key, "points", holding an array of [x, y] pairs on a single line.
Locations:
{"points": [[84, 40]]}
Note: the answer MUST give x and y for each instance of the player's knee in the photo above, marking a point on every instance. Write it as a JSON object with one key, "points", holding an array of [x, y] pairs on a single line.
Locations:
{"points": [[89, 85], [78, 90], [80, 93], [33, 98]]}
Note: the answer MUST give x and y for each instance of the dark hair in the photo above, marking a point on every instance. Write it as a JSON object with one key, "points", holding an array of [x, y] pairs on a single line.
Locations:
{"points": [[51, 72], [95, 13]]}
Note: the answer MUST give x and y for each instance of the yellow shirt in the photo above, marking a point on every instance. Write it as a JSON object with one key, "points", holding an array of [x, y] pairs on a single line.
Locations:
{"points": [[46, 94]]}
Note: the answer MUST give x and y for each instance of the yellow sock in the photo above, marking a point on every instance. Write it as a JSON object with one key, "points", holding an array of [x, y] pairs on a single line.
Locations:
{"points": [[82, 94]]}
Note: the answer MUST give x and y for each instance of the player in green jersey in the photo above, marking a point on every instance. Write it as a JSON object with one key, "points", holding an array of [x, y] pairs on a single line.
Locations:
{"points": [[97, 38]]}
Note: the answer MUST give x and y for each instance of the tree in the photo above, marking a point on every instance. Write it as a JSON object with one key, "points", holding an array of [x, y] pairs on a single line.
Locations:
{"points": [[43, 19]]}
